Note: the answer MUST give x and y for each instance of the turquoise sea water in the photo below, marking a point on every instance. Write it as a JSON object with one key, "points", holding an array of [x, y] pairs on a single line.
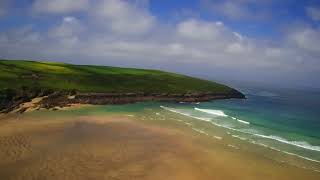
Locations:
{"points": [[282, 120]]}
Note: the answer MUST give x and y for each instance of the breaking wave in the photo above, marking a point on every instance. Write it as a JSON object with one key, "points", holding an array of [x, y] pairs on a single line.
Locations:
{"points": [[212, 111], [300, 144]]}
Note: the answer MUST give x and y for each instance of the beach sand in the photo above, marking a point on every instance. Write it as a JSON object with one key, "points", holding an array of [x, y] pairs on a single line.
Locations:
{"points": [[125, 147]]}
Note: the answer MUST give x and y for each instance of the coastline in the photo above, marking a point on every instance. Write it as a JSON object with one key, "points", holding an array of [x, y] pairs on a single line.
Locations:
{"points": [[129, 145], [59, 100]]}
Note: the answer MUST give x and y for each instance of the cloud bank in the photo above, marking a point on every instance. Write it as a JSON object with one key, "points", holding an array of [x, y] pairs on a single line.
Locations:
{"points": [[127, 33]]}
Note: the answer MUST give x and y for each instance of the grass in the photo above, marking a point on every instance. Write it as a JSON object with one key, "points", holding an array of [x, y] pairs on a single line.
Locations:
{"points": [[15, 74]]}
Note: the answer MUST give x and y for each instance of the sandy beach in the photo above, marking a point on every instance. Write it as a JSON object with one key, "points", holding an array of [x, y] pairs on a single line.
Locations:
{"points": [[125, 146]]}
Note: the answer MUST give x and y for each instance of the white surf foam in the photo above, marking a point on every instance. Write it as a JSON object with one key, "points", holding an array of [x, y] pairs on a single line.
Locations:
{"points": [[212, 111], [189, 124], [185, 114], [286, 152], [233, 146], [220, 113], [239, 137], [300, 144], [242, 121], [217, 137], [304, 145], [200, 131]]}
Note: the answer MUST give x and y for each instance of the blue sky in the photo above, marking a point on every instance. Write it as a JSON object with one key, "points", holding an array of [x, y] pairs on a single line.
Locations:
{"points": [[277, 41], [276, 14]]}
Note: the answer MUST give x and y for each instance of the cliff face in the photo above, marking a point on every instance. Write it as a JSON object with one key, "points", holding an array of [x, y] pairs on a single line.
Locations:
{"points": [[125, 98], [14, 100]]}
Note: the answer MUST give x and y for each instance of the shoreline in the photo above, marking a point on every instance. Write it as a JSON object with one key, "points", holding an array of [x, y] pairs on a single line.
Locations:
{"points": [[139, 146], [60, 100]]}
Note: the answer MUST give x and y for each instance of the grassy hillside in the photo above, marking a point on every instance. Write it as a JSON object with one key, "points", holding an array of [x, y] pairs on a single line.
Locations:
{"points": [[87, 78]]}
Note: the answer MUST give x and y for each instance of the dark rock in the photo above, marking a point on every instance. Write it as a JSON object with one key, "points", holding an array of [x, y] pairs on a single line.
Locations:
{"points": [[13, 99]]}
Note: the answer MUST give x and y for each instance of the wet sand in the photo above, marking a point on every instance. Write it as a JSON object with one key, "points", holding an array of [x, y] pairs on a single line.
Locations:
{"points": [[125, 147]]}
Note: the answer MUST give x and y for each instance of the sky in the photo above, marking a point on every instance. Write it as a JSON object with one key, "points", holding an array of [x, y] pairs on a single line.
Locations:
{"points": [[260, 41]]}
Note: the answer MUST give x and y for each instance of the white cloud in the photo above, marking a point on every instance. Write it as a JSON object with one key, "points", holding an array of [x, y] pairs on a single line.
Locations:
{"points": [[219, 23], [199, 30], [68, 32], [314, 13], [239, 36], [210, 37], [119, 16], [59, 6], [237, 48], [306, 38], [70, 26], [124, 18]]}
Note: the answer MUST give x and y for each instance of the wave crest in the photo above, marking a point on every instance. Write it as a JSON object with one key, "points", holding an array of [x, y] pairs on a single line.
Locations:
{"points": [[301, 144], [212, 111]]}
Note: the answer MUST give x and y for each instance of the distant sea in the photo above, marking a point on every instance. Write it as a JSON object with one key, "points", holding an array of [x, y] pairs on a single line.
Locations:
{"points": [[284, 120]]}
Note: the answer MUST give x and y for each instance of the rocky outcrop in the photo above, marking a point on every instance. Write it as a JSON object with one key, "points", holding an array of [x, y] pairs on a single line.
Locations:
{"points": [[125, 98], [12, 99], [65, 98]]}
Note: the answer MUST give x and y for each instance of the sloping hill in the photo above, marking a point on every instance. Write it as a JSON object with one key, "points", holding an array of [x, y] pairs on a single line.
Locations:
{"points": [[84, 78], [31, 79]]}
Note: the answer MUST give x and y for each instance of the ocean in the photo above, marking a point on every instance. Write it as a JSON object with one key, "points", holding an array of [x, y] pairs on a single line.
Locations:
{"points": [[283, 120]]}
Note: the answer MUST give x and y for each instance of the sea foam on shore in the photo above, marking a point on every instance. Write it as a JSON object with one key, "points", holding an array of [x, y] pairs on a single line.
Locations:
{"points": [[248, 134]]}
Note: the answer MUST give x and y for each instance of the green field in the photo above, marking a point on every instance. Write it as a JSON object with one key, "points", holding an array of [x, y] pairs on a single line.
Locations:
{"points": [[87, 78]]}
